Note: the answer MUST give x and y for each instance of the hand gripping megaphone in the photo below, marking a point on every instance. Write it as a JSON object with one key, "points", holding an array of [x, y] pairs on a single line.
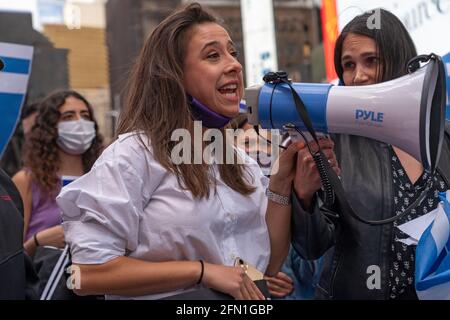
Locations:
{"points": [[408, 112]]}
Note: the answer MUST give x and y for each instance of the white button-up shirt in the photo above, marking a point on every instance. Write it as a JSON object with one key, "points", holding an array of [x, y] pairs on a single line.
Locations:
{"points": [[129, 205]]}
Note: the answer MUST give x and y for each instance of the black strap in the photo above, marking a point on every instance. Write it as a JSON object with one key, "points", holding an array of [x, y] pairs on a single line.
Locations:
{"points": [[347, 208]]}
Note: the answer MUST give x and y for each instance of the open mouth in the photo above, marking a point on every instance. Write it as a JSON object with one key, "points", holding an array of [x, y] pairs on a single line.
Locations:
{"points": [[229, 91]]}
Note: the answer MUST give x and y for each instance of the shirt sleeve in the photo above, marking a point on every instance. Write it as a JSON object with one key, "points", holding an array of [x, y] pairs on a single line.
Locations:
{"points": [[101, 210], [313, 233], [256, 178]]}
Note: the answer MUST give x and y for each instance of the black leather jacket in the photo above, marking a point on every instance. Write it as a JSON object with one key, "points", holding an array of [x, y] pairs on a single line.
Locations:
{"points": [[351, 247], [18, 279], [12, 265]]}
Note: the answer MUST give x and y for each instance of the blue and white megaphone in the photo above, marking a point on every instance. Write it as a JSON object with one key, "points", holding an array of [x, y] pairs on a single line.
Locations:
{"points": [[408, 112]]}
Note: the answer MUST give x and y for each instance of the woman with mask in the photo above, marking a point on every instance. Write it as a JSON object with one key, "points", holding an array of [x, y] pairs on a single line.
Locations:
{"points": [[380, 181], [142, 224], [64, 141]]}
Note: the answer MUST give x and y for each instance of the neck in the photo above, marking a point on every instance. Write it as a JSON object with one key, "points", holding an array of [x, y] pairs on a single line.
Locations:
{"points": [[413, 168], [70, 165], [210, 118]]}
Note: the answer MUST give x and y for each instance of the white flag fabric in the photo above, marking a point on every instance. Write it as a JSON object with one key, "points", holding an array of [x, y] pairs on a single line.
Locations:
{"points": [[14, 77], [433, 256]]}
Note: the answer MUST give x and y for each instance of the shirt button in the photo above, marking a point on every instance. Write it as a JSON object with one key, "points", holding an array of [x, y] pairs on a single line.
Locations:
{"points": [[232, 256]]}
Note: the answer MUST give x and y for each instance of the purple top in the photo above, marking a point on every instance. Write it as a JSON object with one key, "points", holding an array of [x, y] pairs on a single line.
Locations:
{"points": [[45, 213], [209, 118]]}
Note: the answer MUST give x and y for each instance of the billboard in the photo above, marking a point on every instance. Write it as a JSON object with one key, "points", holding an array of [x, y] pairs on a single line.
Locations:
{"points": [[427, 21]]}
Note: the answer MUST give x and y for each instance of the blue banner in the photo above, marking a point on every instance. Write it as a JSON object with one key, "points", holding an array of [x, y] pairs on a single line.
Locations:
{"points": [[14, 77]]}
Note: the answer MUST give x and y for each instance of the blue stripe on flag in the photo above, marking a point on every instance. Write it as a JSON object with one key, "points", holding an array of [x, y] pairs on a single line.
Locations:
{"points": [[425, 263], [16, 65], [10, 105], [68, 179]]}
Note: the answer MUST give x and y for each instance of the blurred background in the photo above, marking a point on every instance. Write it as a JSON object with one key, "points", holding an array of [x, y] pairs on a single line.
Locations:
{"points": [[90, 45]]}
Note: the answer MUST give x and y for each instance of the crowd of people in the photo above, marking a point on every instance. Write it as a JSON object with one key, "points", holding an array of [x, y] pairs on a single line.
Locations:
{"points": [[140, 226]]}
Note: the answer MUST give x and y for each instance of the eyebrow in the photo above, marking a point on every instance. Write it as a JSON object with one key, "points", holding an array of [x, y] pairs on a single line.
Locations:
{"points": [[365, 54], [72, 112], [215, 43]]}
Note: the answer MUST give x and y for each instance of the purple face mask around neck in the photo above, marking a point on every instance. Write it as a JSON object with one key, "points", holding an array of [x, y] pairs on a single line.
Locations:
{"points": [[209, 118]]}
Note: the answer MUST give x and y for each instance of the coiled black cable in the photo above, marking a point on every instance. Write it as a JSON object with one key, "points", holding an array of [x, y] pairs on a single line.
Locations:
{"points": [[328, 192], [319, 159]]}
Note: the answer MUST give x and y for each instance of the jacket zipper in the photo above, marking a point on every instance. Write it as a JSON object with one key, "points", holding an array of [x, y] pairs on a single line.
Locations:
{"points": [[338, 260]]}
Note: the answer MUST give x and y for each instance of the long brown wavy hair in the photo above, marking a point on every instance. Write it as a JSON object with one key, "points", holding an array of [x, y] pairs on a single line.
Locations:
{"points": [[41, 151], [156, 101]]}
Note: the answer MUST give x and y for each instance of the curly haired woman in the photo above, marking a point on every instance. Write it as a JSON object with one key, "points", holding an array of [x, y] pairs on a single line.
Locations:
{"points": [[64, 141]]}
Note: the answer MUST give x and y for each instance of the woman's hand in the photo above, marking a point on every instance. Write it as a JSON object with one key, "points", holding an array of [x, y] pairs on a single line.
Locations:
{"points": [[283, 171], [307, 178], [52, 237], [231, 280], [280, 285]]}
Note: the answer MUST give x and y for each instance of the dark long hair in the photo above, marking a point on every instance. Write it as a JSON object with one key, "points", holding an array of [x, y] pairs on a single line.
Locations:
{"points": [[156, 101], [394, 44], [41, 151]]}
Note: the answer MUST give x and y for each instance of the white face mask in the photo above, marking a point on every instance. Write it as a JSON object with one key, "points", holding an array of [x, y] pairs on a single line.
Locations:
{"points": [[75, 137]]}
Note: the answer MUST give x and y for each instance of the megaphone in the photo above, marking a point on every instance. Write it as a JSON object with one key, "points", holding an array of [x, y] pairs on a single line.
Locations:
{"points": [[408, 112]]}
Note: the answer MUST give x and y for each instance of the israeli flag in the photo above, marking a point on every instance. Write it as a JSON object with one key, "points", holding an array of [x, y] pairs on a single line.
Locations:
{"points": [[14, 77], [433, 256], [65, 180]]}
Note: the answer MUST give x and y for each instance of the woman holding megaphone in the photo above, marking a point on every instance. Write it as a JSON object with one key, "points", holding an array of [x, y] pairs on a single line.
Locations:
{"points": [[365, 261], [143, 224]]}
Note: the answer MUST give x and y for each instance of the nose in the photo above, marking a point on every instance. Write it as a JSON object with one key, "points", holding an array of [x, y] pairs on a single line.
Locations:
{"points": [[233, 65], [361, 76]]}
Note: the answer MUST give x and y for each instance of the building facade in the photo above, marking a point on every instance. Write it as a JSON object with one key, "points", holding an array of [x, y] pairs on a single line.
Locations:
{"points": [[129, 22], [81, 31]]}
